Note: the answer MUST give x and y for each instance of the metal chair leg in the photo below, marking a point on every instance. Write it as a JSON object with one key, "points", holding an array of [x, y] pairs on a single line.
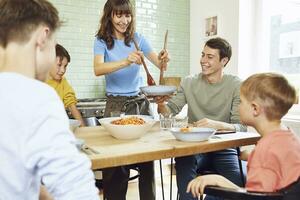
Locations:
{"points": [[240, 165], [161, 180], [171, 179]]}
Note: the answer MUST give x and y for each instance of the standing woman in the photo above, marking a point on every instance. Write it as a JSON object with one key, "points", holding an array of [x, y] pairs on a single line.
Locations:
{"points": [[116, 57]]}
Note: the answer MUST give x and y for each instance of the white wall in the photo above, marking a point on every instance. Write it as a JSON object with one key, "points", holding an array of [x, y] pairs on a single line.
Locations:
{"points": [[228, 28]]}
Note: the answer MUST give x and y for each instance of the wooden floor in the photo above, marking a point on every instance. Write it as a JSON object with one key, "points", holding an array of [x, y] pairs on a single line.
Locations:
{"points": [[133, 194]]}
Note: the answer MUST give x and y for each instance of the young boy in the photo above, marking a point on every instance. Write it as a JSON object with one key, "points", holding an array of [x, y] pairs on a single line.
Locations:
{"points": [[265, 99], [60, 83], [36, 145]]}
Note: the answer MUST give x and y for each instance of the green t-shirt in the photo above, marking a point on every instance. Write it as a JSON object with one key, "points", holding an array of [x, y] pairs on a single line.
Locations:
{"points": [[218, 101]]}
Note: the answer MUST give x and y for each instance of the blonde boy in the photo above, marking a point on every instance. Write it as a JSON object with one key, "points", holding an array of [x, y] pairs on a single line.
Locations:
{"points": [[265, 99]]}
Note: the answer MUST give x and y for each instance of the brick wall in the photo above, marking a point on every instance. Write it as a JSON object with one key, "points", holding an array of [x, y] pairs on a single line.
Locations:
{"points": [[153, 17]]}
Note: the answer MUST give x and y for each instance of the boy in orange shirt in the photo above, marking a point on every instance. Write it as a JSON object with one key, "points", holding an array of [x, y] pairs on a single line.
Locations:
{"points": [[265, 99]]}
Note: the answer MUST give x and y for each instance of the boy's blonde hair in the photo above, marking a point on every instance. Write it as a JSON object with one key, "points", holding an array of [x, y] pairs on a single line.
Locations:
{"points": [[272, 91]]}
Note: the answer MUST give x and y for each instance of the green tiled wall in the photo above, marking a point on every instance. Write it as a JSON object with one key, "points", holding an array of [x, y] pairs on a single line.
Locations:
{"points": [[153, 17]]}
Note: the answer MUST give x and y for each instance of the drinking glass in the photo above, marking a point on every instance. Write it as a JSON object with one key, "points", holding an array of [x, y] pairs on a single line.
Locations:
{"points": [[117, 114], [180, 122], [166, 121]]}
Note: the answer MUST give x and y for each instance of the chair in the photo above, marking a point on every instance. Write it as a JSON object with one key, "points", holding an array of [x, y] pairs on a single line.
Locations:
{"points": [[291, 192]]}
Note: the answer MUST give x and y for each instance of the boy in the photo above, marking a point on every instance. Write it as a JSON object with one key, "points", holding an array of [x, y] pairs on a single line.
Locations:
{"points": [[265, 99], [61, 85], [36, 143]]}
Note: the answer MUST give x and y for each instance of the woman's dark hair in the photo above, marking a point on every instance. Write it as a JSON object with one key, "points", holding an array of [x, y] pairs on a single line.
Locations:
{"points": [[113, 7], [62, 53], [222, 45]]}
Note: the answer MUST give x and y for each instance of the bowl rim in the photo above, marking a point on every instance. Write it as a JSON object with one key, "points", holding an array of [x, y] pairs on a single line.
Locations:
{"points": [[195, 130]]}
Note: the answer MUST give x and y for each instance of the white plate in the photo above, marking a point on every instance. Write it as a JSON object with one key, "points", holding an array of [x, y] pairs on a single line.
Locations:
{"points": [[194, 134], [158, 90]]}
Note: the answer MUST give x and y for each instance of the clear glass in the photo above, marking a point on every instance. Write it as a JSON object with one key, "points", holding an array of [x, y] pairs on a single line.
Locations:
{"points": [[166, 121], [180, 122], [117, 114]]}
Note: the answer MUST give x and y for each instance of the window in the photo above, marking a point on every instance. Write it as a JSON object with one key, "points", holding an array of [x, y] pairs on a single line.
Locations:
{"points": [[270, 38]]}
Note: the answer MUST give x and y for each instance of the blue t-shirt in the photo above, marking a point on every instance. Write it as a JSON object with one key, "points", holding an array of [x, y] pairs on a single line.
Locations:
{"points": [[128, 80]]}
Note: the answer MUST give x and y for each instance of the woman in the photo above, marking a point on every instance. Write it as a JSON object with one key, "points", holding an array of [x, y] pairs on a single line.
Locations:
{"points": [[117, 58]]}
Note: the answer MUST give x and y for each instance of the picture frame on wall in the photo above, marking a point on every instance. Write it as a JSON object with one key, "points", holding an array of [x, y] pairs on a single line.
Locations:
{"points": [[211, 26]]}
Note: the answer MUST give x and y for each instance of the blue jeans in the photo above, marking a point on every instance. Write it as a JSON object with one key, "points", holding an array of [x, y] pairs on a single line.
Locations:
{"points": [[223, 162]]}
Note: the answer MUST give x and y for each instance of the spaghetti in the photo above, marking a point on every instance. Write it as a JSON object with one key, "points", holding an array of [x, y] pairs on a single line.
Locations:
{"points": [[129, 121]]}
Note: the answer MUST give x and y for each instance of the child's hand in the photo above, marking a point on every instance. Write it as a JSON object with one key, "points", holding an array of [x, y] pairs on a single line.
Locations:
{"points": [[197, 185]]}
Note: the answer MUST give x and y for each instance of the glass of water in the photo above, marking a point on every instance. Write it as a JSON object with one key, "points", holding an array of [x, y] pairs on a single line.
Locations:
{"points": [[180, 122], [117, 114], [166, 121]]}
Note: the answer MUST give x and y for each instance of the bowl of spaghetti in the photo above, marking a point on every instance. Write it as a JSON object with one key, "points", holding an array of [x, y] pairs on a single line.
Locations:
{"points": [[127, 127]]}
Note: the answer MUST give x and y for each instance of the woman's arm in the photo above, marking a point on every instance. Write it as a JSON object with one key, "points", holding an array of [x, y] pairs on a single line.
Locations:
{"points": [[102, 68]]}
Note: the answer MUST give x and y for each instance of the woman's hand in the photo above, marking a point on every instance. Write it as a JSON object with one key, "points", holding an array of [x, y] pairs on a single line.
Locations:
{"points": [[163, 58], [135, 57]]}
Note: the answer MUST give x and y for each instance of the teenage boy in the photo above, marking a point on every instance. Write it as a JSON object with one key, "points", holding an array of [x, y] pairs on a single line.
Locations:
{"points": [[36, 145]]}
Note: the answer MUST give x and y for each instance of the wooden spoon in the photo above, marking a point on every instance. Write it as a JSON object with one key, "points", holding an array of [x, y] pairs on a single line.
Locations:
{"points": [[150, 79], [161, 74]]}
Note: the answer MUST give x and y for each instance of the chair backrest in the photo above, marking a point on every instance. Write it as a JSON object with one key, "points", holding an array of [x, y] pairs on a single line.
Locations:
{"points": [[241, 194], [292, 192]]}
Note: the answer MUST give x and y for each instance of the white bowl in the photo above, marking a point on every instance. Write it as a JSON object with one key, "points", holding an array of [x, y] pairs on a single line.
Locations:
{"points": [[194, 134], [74, 123], [127, 132]]}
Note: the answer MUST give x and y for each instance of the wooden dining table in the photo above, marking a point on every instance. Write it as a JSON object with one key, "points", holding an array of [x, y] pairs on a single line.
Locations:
{"points": [[154, 145]]}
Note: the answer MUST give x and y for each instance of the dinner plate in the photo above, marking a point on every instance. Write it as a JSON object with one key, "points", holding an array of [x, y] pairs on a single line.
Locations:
{"points": [[158, 90], [193, 134]]}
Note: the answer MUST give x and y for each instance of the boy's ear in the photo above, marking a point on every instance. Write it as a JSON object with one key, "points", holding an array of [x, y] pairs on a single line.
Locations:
{"points": [[42, 36], [256, 109]]}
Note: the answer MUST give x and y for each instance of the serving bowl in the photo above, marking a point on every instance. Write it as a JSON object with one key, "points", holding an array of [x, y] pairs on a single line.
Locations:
{"points": [[193, 134], [74, 123], [127, 132]]}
